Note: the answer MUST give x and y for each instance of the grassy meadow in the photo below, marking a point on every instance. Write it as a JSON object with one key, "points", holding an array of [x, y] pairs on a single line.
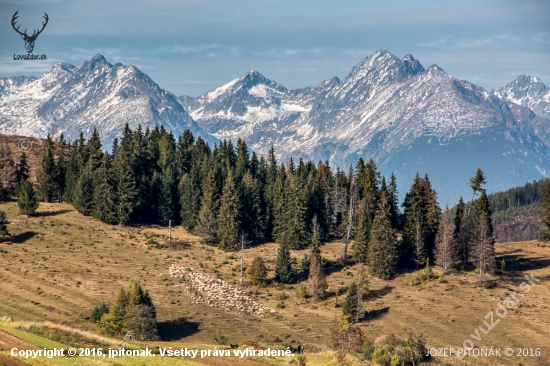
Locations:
{"points": [[58, 265]]}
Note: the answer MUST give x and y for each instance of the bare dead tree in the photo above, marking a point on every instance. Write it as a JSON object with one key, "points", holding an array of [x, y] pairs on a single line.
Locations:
{"points": [[244, 243], [482, 246], [445, 243], [352, 217], [419, 250]]}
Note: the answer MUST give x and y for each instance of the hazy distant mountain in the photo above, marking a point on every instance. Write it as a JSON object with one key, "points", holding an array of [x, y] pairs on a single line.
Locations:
{"points": [[527, 91], [98, 95], [406, 118]]}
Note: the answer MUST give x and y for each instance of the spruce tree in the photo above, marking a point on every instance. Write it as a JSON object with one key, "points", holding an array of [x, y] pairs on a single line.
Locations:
{"points": [[118, 309], [93, 152], [394, 201], [98, 312], [382, 250], [207, 226], [4, 233], [162, 192], [421, 212], [283, 265], [476, 182], [291, 224], [46, 175], [460, 229], [362, 234], [140, 314], [84, 193], [250, 213], [125, 190], [104, 206], [62, 150], [26, 198], [350, 304], [227, 220], [446, 243], [72, 174], [22, 169], [9, 173]]}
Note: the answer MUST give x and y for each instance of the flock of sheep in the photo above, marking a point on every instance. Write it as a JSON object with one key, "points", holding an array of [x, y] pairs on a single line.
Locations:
{"points": [[217, 293]]}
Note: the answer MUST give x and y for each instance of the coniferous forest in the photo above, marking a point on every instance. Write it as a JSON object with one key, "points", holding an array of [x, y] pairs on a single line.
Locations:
{"points": [[226, 192]]}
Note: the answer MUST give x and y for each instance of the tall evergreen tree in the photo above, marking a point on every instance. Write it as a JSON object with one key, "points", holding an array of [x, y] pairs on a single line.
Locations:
{"points": [[84, 193], [124, 190], [26, 198], [118, 309], [227, 220], [250, 212], [61, 151], [104, 207], [72, 174], [9, 173], [291, 225], [476, 182], [462, 245], [421, 212], [163, 198], [22, 169], [363, 232], [4, 233], [350, 304], [382, 250], [207, 226], [140, 315], [283, 265], [394, 201], [46, 175], [93, 153]]}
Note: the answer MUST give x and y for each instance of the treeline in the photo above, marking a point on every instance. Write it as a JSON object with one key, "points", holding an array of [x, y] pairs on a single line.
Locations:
{"points": [[517, 197], [517, 212], [227, 192]]}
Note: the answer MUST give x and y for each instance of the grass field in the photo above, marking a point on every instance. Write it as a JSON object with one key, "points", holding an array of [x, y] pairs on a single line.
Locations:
{"points": [[59, 264]]}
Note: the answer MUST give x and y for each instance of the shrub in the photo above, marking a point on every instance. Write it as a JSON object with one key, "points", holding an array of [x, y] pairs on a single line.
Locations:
{"points": [[397, 360], [368, 350], [302, 291], [107, 325], [220, 338], [383, 356], [98, 312], [302, 360], [258, 272], [427, 272]]}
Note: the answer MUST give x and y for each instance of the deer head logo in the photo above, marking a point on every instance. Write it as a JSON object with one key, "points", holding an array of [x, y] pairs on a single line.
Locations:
{"points": [[29, 40]]}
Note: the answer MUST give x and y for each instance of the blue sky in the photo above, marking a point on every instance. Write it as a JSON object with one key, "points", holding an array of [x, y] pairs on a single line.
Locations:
{"points": [[192, 46]]}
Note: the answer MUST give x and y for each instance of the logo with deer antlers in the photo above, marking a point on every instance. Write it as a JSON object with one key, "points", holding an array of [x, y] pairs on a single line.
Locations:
{"points": [[29, 40]]}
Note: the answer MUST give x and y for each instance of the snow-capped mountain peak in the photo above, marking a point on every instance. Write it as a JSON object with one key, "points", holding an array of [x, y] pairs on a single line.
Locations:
{"points": [[97, 95], [528, 91]]}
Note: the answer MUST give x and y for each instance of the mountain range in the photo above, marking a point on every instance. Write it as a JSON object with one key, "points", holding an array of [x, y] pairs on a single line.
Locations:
{"points": [[407, 118]]}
